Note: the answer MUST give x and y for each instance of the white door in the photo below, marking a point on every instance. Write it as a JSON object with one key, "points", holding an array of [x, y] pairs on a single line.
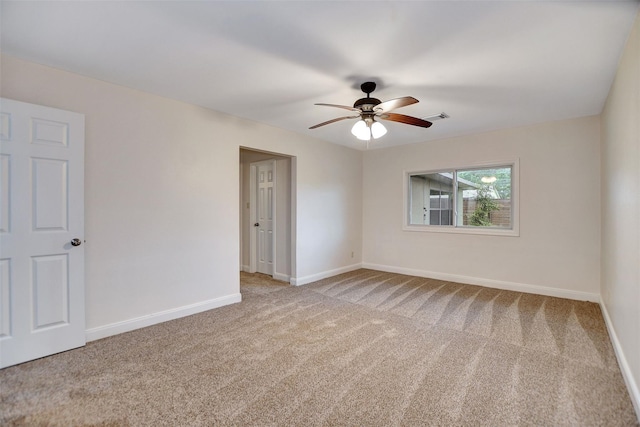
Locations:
{"points": [[41, 231], [264, 216]]}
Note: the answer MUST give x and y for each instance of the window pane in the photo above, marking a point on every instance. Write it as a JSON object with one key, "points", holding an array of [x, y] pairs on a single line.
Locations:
{"points": [[417, 212], [486, 197], [435, 199], [434, 217], [445, 217], [444, 201], [429, 194]]}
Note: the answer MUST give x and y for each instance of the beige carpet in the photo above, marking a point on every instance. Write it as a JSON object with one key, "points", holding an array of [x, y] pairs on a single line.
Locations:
{"points": [[364, 348]]}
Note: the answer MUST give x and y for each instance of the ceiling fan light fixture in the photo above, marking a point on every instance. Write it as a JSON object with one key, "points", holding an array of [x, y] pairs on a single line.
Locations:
{"points": [[361, 131], [369, 109], [378, 130]]}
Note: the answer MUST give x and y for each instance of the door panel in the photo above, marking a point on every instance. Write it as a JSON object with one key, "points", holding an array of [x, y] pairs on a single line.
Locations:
{"points": [[49, 132], [49, 190], [265, 211], [5, 298], [50, 290], [4, 194], [42, 210]]}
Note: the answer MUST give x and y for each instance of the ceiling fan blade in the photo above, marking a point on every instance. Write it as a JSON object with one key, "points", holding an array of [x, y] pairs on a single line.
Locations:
{"points": [[401, 118], [346, 107], [392, 104], [333, 121]]}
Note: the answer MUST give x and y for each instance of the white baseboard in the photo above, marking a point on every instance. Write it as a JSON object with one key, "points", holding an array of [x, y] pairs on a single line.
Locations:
{"points": [[281, 277], [299, 281], [155, 318], [632, 386], [489, 283], [244, 268]]}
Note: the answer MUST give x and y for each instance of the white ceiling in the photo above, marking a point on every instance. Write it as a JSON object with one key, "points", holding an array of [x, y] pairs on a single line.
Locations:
{"points": [[489, 65]]}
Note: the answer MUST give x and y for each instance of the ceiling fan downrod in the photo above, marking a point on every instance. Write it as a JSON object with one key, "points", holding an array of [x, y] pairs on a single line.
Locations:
{"points": [[367, 103]]}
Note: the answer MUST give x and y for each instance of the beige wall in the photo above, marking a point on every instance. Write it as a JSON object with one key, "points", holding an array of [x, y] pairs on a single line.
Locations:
{"points": [[620, 283], [162, 195], [558, 250]]}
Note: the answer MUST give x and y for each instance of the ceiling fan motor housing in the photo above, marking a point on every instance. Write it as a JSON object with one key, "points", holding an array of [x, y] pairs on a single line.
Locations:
{"points": [[367, 103]]}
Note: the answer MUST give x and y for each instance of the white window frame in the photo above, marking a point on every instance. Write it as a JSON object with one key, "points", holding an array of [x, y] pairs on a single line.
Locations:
{"points": [[514, 231]]}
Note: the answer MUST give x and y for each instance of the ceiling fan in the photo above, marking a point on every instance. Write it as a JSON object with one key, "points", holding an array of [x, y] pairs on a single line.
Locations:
{"points": [[369, 109]]}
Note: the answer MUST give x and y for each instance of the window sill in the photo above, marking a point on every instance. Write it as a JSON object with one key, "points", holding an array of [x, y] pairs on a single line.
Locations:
{"points": [[463, 230]]}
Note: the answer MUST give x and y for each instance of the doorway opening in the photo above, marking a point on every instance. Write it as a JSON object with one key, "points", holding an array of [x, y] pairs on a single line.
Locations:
{"points": [[267, 214]]}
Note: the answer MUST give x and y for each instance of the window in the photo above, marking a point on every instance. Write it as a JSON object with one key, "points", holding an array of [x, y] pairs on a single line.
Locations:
{"points": [[477, 200], [441, 208]]}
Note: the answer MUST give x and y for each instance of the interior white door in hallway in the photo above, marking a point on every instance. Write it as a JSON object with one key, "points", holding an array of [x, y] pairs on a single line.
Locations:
{"points": [[264, 216], [41, 231]]}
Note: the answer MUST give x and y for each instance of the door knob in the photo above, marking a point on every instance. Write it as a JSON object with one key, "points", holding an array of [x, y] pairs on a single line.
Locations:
{"points": [[76, 242], [257, 224]]}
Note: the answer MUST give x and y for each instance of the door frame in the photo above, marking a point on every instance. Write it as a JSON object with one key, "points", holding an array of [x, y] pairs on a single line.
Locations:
{"points": [[253, 202]]}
